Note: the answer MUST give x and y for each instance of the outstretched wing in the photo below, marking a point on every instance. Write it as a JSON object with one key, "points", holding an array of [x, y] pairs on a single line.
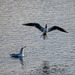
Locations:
{"points": [[36, 25], [57, 28]]}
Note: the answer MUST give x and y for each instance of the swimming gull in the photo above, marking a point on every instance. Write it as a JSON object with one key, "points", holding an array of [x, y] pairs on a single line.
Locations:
{"points": [[19, 54]]}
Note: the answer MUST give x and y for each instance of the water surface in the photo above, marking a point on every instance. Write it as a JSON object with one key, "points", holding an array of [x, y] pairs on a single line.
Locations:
{"points": [[53, 56]]}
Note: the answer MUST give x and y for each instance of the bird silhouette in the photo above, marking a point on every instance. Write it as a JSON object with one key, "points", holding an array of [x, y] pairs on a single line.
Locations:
{"points": [[19, 54], [45, 29]]}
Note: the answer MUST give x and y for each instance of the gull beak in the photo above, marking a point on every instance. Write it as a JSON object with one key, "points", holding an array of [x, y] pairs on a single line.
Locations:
{"points": [[24, 47]]}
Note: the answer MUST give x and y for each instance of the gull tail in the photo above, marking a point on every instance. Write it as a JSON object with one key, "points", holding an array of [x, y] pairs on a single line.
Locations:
{"points": [[44, 36]]}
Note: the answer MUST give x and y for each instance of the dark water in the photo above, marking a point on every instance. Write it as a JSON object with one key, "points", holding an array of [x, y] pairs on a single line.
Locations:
{"points": [[53, 56]]}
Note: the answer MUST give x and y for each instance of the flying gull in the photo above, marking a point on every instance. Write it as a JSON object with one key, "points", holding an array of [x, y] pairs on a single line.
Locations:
{"points": [[19, 54], [46, 29]]}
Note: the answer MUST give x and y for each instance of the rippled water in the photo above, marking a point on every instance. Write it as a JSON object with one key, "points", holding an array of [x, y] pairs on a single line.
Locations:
{"points": [[53, 56]]}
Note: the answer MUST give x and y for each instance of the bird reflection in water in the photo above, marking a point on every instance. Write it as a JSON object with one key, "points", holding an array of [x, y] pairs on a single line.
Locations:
{"points": [[21, 58], [45, 68]]}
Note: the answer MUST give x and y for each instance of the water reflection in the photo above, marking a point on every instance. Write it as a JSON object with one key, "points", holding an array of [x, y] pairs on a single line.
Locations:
{"points": [[20, 58], [47, 69]]}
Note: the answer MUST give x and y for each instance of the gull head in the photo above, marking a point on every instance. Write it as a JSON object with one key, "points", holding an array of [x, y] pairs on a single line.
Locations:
{"points": [[46, 26], [24, 47]]}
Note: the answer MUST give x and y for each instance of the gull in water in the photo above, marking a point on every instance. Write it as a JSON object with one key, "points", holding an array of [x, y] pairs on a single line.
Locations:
{"points": [[45, 29], [19, 54]]}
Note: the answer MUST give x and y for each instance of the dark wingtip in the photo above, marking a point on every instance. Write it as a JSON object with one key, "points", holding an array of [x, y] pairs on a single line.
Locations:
{"points": [[66, 32], [23, 24], [11, 55]]}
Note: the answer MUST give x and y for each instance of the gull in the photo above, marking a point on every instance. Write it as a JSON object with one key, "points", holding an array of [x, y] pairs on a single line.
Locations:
{"points": [[45, 29], [19, 54]]}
